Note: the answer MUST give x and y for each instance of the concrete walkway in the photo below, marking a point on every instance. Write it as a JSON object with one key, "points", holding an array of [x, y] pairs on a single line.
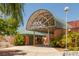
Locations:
{"points": [[30, 51]]}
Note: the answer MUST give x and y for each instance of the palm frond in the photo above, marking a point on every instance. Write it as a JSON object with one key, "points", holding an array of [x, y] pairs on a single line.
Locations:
{"points": [[13, 9]]}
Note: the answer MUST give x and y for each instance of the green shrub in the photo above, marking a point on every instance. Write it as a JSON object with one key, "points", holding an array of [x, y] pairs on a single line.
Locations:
{"points": [[70, 37], [61, 41], [19, 40], [73, 48], [55, 42]]}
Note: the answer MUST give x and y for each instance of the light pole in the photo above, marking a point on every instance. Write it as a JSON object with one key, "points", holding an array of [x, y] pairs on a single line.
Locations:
{"points": [[66, 10]]}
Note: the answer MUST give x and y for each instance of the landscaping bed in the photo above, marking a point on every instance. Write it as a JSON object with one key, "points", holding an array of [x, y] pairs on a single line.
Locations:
{"points": [[72, 41]]}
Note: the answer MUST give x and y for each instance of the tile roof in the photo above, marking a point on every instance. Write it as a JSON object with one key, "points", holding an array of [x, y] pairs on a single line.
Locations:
{"points": [[74, 24]]}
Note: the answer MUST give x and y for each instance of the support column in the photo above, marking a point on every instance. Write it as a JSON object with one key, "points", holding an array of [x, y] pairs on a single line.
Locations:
{"points": [[48, 36], [34, 38]]}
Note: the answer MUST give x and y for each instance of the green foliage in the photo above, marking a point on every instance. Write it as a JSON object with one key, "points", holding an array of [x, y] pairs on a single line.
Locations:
{"points": [[19, 40], [2, 23], [73, 48], [8, 26], [70, 37], [54, 42], [61, 41], [13, 9], [13, 24]]}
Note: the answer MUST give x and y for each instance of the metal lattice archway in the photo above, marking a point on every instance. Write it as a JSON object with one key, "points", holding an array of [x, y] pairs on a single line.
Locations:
{"points": [[41, 19]]}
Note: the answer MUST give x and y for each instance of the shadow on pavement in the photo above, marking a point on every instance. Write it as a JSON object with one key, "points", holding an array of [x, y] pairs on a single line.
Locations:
{"points": [[11, 52]]}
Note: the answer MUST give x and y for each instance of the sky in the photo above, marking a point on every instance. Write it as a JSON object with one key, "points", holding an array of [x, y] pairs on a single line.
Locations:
{"points": [[57, 9]]}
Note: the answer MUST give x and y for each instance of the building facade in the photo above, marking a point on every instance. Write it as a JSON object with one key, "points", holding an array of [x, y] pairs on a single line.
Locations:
{"points": [[46, 23], [75, 25]]}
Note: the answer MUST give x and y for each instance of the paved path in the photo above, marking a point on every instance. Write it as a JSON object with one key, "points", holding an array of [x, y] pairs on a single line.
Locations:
{"points": [[31, 51]]}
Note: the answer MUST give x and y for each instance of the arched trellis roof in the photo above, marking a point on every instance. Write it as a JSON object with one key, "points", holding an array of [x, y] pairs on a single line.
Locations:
{"points": [[42, 19]]}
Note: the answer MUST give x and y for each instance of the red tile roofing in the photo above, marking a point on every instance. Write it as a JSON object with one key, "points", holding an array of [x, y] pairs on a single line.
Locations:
{"points": [[74, 24]]}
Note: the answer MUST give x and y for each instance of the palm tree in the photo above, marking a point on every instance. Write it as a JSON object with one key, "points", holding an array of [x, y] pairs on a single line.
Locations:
{"points": [[14, 10]]}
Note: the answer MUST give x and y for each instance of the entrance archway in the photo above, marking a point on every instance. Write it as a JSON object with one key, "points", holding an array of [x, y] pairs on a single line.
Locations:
{"points": [[43, 21]]}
